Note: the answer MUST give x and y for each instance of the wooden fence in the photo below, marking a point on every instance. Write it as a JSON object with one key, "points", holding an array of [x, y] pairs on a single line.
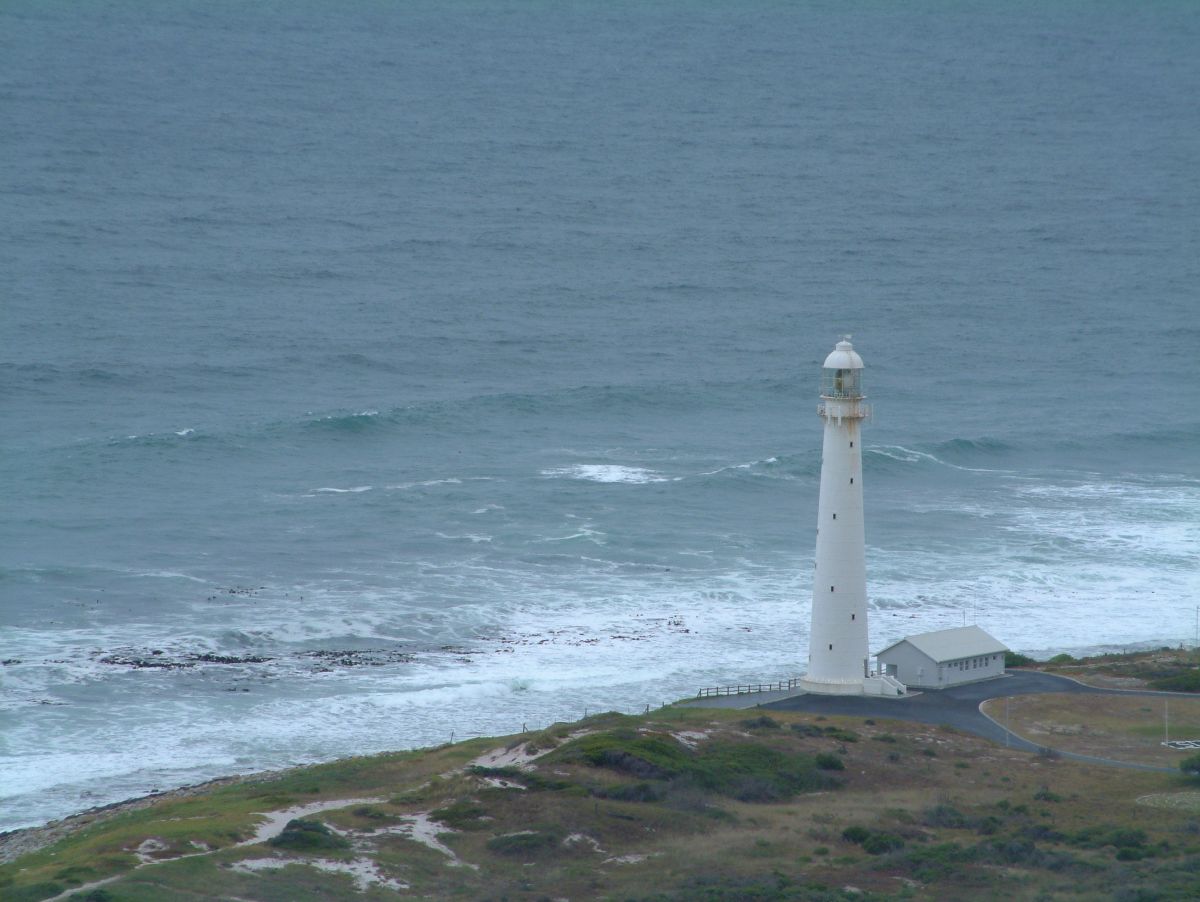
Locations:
{"points": [[782, 686]]}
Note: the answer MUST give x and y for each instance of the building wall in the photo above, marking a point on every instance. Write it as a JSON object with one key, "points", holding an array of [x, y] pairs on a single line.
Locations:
{"points": [[976, 667], [912, 667], [916, 669]]}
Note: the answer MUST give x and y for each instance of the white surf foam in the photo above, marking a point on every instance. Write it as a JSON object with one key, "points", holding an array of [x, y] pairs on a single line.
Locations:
{"points": [[607, 473]]}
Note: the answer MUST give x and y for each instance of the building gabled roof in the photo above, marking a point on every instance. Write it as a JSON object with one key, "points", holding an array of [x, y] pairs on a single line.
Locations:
{"points": [[952, 644]]}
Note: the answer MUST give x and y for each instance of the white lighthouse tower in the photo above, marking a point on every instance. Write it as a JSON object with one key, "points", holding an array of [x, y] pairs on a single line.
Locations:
{"points": [[838, 655]]}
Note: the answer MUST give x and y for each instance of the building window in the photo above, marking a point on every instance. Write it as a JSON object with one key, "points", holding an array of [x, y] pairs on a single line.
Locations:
{"points": [[835, 516], [831, 588], [851, 616], [852, 444], [852, 480], [831, 646]]}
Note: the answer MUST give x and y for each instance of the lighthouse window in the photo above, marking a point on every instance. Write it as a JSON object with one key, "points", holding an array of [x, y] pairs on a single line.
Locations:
{"points": [[835, 516], [831, 646], [852, 444], [852, 480], [851, 616], [831, 588]]}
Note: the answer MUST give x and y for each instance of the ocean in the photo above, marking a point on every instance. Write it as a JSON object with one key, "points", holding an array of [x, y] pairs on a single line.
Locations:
{"points": [[379, 375]]}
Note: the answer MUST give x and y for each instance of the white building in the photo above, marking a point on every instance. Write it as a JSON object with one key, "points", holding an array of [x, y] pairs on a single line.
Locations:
{"points": [[838, 654], [944, 658]]}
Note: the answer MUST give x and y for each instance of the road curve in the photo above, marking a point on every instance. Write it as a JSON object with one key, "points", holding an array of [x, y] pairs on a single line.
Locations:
{"points": [[959, 707]]}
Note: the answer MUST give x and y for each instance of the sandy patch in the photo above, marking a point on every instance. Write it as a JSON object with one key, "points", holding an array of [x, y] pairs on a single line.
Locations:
{"points": [[423, 829], [629, 859], [363, 871], [1176, 801], [582, 839], [519, 756], [277, 820], [691, 738], [145, 851]]}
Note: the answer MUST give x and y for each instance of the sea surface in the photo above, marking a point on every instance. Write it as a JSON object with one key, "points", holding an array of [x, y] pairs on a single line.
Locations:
{"points": [[375, 375]]}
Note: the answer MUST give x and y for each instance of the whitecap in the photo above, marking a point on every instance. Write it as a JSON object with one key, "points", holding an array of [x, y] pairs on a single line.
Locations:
{"points": [[356, 489], [472, 537], [609, 473], [401, 486]]}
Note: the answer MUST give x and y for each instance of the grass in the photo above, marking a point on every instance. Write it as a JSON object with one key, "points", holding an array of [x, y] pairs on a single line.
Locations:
{"points": [[1125, 728], [630, 811]]}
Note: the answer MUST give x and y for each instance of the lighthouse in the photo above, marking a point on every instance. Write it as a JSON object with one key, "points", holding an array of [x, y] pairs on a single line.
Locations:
{"points": [[838, 654]]}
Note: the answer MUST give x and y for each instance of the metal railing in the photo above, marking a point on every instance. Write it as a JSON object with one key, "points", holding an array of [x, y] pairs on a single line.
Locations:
{"points": [[781, 686], [859, 411]]}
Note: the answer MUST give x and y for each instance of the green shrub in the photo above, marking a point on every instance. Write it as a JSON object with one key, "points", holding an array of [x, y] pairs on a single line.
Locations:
{"points": [[1045, 795], [855, 833], [1013, 659], [879, 843], [646, 756], [874, 842], [841, 735], [33, 892], [743, 770], [938, 862], [988, 826], [808, 729], [829, 761], [944, 816], [460, 815], [1188, 681], [1064, 658], [765, 722], [531, 780], [529, 842], [885, 737], [308, 836], [634, 792], [1098, 835], [370, 812]]}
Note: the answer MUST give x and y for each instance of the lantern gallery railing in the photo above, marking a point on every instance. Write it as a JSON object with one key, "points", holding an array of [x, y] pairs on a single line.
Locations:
{"points": [[862, 409]]}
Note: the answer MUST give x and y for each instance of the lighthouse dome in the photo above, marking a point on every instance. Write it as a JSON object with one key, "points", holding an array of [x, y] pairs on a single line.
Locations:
{"points": [[843, 357]]}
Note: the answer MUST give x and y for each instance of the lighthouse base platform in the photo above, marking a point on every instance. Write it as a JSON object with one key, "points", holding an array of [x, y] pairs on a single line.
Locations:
{"points": [[878, 685]]}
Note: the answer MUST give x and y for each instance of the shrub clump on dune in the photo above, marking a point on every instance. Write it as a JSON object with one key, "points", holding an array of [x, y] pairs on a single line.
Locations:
{"points": [[747, 771]]}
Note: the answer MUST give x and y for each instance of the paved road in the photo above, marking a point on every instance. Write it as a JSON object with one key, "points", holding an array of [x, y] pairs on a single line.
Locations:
{"points": [[958, 707]]}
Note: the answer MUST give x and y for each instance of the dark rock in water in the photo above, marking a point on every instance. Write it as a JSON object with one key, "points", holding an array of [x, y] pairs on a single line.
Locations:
{"points": [[207, 658], [371, 657], [143, 663]]}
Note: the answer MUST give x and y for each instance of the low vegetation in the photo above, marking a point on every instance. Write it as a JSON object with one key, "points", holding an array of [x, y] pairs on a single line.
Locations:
{"points": [[679, 804], [1166, 669]]}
